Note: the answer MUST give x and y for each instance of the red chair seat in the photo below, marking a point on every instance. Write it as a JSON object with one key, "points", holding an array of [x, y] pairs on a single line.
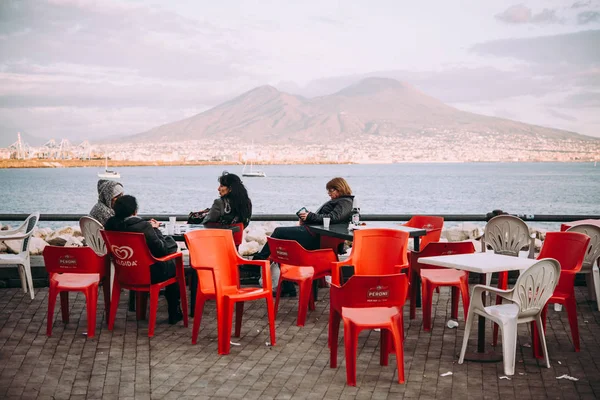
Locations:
{"points": [[443, 277], [374, 317], [75, 281], [297, 273]]}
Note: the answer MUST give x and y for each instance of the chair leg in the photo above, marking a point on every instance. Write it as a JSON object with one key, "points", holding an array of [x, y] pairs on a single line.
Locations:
{"points": [[223, 330], [278, 295], [464, 292], [427, 299], [502, 284], [398, 338], [22, 277], [350, 348], [27, 268], [154, 293], [454, 298], [228, 306], [183, 299], [589, 282], [239, 311], [468, 324], [596, 278], [64, 306], [271, 314], [509, 346], [571, 306], [91, 303], [51, 304], [199, 309], [106, 287], [334, 332], [535, 339], [114, 304], [542, 335], [305, 292]]}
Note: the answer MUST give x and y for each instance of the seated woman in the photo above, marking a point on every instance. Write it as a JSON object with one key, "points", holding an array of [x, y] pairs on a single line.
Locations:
{"points": [[108, 193], [233, 206], [126, 220], [338, 208]]}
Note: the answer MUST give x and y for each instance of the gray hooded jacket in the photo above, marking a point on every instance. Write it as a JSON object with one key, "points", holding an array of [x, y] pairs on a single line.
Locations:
{"points": [[107, 189]]}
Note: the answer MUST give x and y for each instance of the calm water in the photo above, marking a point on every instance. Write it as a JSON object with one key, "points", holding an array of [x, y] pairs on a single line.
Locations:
{"points": [[475, 188]]}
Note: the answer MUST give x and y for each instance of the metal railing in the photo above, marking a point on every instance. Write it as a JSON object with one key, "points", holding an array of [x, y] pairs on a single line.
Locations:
{"points": [[293, 217]]}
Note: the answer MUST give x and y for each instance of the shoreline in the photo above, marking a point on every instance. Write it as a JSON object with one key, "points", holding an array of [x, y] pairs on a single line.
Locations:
{"points": [[100, 163]]}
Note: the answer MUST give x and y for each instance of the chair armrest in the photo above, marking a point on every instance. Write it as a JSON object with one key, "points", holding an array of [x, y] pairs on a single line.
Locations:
{"points": [[479, 289], [10, 232], [169, 257], [14, 237], [335, 270]]}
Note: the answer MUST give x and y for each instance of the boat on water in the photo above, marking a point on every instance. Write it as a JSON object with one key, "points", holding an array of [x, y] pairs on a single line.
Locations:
{"points": [[108, 174], [250, 171]]}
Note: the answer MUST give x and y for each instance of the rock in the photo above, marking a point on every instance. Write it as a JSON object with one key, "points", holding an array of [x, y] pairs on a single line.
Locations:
{"points": [[4, 227], [248, 248], [256, 234], [56, 241], [68, 230], [36, 246], [42, 233], [73, 241], [13, 246], [455, 234]]}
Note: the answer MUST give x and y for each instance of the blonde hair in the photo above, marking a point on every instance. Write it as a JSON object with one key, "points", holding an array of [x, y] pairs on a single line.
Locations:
{"points": [[340, 185]]}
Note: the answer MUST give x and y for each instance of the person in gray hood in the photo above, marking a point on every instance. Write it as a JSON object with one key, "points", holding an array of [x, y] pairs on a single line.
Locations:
{"points": [[108, 193]]}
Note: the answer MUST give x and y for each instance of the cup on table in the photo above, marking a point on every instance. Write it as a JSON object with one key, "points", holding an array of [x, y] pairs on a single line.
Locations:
{"points": [[171, 225], [326, 222]]}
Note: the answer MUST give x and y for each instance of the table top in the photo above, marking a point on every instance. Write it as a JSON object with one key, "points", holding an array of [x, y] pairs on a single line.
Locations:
{"points": [[341, 231], [183, 228], [568, 225], [483, 263]]}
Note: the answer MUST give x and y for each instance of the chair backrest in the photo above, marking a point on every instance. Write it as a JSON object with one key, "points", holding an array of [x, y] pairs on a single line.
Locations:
{"points": [[130, 255], [507, 235], [568, 248], [292, 253], [439, 249], [27, 228], [80, 260], [433, 224], [238, 236], [378, 251], [593, 251], [366, 291], [213, 248], [535, 286], [90, 228]]}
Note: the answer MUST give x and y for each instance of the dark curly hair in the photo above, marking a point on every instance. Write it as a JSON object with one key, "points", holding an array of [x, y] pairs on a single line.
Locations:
{"points": [[125, 206], [238, 196]]}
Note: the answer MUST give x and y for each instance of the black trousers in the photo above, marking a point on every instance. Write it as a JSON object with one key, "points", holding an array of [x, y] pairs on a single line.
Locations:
{"points": [[162, 271], [298, 233]]}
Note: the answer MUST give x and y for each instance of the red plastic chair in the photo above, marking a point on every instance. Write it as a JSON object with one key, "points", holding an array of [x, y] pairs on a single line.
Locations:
{"points": [[433, 277], [569, 249], [215, 259], [375, 252], [301, 266], [132, 260], [368, 302], [433, 225], [76, 269]]}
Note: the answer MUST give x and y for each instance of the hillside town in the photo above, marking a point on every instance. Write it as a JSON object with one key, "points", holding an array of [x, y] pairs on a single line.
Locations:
{"points": [[427, 146]]}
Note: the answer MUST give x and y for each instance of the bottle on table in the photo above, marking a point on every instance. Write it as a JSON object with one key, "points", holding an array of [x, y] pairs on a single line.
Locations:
{"points": [[355, 212]]}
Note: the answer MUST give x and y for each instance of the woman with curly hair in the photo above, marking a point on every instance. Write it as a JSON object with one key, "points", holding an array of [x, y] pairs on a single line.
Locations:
{"points": [[233, 205]]}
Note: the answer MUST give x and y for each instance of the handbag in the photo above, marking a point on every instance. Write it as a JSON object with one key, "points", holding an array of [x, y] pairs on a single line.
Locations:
{"points": [[196, 217]]}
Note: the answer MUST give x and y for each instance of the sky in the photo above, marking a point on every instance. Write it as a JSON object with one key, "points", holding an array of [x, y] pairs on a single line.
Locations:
{"points": [[88, 70]]}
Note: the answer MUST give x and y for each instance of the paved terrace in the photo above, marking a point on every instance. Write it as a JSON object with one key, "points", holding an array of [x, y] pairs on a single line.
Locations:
{"points": [[125, 364]]}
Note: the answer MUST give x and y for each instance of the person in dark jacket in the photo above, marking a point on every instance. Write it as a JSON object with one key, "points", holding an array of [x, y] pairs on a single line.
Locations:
{"points": [[338, 208], [126, 220], [233, 205], [108, 193]]}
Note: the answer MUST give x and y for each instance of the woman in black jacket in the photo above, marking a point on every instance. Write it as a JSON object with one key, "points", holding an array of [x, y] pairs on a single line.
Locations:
{"points": [[233, 205], [126, 220], [338, 208]]}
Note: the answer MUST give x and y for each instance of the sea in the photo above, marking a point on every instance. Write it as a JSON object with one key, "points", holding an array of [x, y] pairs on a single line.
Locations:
{"points": [[419, 188]]}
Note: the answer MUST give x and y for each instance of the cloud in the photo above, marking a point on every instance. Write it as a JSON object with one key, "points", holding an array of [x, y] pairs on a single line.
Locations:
{"points": [[518, 14], [587, 17], [572, 48], [560, 115], [581, 4]]}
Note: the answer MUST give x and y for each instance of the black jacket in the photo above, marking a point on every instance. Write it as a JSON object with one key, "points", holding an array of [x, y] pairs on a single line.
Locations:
{"points": [[221, 213], [339, 210], [158, 244]]}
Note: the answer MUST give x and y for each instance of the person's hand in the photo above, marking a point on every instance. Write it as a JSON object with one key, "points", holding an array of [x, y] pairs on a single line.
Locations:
{"points": [[303, 216], [154, 223]]}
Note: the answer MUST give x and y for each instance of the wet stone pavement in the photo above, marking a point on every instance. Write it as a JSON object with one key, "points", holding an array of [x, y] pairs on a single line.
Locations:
{"points": [[126, 364]]}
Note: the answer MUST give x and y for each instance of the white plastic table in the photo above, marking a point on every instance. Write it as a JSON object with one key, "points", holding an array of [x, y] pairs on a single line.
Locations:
{"points": [[481, 263]]}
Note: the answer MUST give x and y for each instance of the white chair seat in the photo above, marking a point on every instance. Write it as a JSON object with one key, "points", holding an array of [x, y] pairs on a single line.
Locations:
{"points": [[504, 312]]}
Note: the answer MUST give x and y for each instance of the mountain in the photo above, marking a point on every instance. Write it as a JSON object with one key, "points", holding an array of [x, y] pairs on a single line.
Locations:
{"points": [[373, 106], [9, 137]]}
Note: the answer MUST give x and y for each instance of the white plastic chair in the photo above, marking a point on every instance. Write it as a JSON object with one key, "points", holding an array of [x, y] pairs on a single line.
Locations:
{"points": [[90, 228], [527, 300], [591, 256], [21, 260]]}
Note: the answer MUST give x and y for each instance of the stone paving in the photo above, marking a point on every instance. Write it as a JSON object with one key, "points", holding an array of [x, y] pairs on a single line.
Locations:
{"points": [[125, 364]]}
